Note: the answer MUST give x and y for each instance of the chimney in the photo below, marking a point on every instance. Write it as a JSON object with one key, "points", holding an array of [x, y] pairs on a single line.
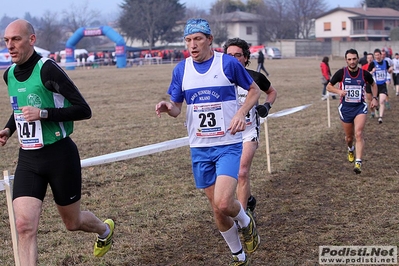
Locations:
{"points": [[364, 6]]}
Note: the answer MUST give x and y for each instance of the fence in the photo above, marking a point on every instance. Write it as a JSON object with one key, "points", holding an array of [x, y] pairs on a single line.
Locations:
{"points": [[309, 48]]}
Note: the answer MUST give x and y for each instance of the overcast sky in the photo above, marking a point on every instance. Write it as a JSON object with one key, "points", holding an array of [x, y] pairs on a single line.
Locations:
{"points": [[18, 8]]}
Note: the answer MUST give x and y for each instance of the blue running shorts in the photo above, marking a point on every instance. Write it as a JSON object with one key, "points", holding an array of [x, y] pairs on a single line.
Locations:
{"points": [[211, 162], [349, 113]]}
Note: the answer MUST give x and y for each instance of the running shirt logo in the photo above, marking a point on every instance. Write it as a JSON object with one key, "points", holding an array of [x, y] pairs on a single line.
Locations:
{"points": [[34, 100]]}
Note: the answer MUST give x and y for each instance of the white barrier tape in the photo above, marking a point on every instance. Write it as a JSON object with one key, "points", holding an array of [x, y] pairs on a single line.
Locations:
{"points": [[5, 182], [286, 112], [136, 152], [162, 146]]}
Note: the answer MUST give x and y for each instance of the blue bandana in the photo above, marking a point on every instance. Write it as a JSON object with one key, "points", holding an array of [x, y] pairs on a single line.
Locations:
{"points": [[195, 26]]}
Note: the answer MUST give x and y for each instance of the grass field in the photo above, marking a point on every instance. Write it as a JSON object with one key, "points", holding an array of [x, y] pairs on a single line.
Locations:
{"points": [[311, 198]]}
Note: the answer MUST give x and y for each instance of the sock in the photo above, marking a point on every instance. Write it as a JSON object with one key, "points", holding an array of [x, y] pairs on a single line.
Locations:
{"points": [[351, 149], [242, 218], [106, 233], [359, 161], [233, 239]]}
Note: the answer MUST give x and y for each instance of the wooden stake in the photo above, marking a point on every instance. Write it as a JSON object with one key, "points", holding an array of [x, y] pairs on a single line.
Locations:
{"points": [[11, 216]]}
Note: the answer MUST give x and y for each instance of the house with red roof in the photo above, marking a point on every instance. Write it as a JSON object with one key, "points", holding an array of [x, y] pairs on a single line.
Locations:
{"points": [[356, 24]]}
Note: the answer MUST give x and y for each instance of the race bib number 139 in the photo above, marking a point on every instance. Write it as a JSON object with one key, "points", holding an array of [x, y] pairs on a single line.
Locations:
{"points": [[353, 94]]}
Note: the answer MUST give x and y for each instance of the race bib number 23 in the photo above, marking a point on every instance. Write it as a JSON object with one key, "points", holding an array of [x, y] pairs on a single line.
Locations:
{"points": [[208, 119]]}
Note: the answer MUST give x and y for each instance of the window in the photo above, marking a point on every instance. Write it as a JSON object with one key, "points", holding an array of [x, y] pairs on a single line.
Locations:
{"points": [[327, 26], [358, 25], [249, 30], [343, 25]]}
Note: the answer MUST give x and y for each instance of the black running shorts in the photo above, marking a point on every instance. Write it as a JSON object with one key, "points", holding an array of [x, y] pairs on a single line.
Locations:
{"points": [[57, 165], [382, 89]]}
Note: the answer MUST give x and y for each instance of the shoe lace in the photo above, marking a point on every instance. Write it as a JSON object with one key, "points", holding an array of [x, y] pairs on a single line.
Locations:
{"points": [[237, 262], [101, 242], [247, 232]]}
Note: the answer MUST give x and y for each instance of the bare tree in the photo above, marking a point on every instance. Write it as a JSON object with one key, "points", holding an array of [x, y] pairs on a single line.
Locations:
{"points": [[50, 34], [227, 6], [303, 11], [219, 32], [280, 21], [259, 7], [81, 16], [151, 20], [195, 13]]}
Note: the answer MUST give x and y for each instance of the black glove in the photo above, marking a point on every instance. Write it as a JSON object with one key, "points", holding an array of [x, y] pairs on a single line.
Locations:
{"points": [[263, 109]]}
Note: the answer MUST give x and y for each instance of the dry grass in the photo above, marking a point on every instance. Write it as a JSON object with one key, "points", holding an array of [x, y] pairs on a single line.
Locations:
{"points": [[311, 198]]}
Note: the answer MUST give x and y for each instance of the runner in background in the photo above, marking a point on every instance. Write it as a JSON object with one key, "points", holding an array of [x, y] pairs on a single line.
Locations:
{"points": [[353, 108]]}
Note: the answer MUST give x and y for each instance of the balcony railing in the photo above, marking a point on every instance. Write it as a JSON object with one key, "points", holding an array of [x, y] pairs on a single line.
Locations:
{"points": [[371, 32]]}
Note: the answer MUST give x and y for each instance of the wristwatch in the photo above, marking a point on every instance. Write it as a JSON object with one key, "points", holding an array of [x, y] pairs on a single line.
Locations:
{"points": [[374, 97], [43, 114]]}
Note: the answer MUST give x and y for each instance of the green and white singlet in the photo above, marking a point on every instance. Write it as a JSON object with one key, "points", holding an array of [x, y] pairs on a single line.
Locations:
{"points": [[32, 92]]}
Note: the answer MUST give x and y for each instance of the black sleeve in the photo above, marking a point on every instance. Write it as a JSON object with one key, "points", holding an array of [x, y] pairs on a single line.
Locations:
{"points": [[371, 66], [337, 77], [368, 77], [11, 122], [57, 81], [263, 83], [260, 79]]}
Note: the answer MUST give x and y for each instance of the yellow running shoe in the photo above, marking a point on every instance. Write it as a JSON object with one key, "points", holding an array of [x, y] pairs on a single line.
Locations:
{"points": [[237, 262], [358, 167], [351, 156], [103, 245], [250, 234]]}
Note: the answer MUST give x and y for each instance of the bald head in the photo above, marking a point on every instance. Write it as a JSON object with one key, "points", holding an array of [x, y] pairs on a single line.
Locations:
{"points": [[20, 38], [22, 25]]}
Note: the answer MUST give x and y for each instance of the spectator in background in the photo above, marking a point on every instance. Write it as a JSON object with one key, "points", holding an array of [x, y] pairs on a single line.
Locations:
{"points": [[80, 56], [390, 51], [261, 61], [326, 76], [363, 60], [58, 58]]}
